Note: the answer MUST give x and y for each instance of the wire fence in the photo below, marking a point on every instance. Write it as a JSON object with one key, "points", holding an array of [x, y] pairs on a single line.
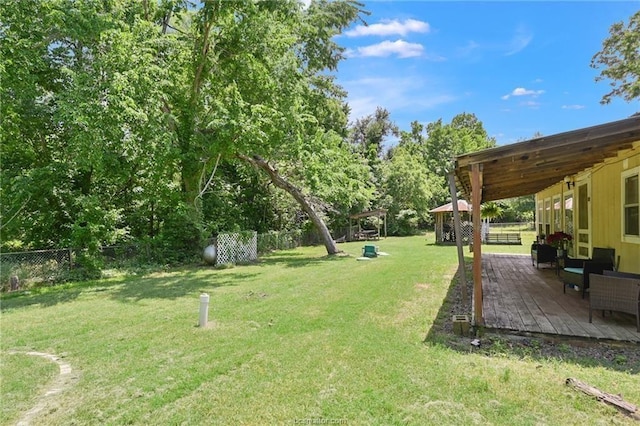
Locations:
{"points": [[27, 268], [30, 267]]}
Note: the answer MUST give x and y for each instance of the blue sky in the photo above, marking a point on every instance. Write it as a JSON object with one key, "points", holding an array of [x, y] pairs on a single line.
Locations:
{"points": [[520, 67]]}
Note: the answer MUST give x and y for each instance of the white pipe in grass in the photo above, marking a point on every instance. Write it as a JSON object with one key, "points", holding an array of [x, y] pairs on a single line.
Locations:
{"points": [[204, 310]]}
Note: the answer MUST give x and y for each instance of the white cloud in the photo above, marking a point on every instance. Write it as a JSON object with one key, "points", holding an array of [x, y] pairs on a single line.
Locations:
{"points": [[386, 28], [394, 94], [572, 106], [521, 91], [388, 48], [470, 47], [531, 104], [520, 40]]}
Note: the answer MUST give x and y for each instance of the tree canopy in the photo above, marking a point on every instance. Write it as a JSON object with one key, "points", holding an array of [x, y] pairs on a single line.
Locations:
{"points": [[164, 123], [620, 60]]}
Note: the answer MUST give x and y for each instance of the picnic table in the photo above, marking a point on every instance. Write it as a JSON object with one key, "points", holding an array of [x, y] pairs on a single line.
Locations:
{"points": [[367, 234]]}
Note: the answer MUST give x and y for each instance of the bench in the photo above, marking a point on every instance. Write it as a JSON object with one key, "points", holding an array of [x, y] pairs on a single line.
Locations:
{"points": [[504, 238], [367, 234]]}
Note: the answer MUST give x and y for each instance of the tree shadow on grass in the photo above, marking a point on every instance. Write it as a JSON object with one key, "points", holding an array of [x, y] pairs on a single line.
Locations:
{"points": [[161, 285], [177, 284], [617, 356], [299, 260], [44, 300], [52, 295]]}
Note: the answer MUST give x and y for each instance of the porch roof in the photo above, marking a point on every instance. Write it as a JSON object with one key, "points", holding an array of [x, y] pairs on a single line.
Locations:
{"points": [[528, 167]]}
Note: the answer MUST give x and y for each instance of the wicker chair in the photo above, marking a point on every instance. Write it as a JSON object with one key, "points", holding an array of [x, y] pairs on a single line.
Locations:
{"points": [[576, 271], [542, 253], [615, 293]]}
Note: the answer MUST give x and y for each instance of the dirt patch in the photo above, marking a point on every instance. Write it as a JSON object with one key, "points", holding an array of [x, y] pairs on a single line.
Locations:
{"points": [[46, 401], [621, 356]]}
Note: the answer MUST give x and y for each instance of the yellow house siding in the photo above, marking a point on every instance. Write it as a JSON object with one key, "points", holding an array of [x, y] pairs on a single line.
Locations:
{"points": [[605, 205], [607, 208]]}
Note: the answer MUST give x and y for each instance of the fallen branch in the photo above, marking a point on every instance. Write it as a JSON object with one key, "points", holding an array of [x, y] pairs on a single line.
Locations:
{"points": [[616, 400]]}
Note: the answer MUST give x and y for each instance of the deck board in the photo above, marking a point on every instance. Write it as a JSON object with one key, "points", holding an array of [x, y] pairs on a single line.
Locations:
{"points": [[519, 297]]}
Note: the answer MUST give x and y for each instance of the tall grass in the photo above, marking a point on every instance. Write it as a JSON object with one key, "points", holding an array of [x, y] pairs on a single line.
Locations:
{"points": [[296, 338]]}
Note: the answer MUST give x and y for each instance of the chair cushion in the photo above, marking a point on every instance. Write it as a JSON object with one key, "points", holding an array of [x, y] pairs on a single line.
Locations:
{"points": [[575, 270]]}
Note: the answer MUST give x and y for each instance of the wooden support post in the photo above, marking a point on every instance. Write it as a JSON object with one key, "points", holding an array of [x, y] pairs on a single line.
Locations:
{"points": [[385, 224], [457, 228], [476, 197]]}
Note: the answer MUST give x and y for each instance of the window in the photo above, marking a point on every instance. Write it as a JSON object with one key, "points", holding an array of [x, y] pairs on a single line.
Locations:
{"points": [[631, 205]]}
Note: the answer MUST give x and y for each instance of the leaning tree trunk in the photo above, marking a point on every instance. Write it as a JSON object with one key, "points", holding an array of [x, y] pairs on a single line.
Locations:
{"points": [[280, 182]]}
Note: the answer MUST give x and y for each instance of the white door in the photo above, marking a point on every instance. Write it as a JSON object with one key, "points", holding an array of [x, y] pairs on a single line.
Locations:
{"points": [[583, 215]]}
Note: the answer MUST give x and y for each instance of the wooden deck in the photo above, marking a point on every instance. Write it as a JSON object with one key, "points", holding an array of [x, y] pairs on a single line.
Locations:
{"points": [[521, 298]]}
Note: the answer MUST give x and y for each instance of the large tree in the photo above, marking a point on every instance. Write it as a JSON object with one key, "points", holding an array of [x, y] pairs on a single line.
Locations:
{"points": [[620, 60], [254, 87], [407, 186], [79, 120], [116, 114], [368, 136], [444, 142]]}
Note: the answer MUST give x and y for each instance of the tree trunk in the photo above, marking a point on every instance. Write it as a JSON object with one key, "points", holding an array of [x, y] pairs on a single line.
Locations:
{"points": [[280, 182]]}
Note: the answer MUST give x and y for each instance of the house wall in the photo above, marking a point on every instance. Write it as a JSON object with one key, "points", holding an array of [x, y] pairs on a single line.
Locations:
{"points": [[605, 186]]}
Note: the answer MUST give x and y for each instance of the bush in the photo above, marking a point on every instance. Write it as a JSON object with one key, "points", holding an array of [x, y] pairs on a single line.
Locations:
{"points": [[181, 236], [406, 223]]}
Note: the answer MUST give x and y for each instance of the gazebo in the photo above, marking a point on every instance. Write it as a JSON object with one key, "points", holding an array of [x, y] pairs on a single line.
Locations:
{"points": [[445, 233], [357, 233]]}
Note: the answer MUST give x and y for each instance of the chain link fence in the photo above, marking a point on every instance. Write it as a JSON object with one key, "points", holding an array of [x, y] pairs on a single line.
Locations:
{"points": [[31, 267], [54, 266]]}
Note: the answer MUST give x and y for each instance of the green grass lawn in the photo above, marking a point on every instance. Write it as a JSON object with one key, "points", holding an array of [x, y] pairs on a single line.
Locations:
{"points": [[296, 338]]}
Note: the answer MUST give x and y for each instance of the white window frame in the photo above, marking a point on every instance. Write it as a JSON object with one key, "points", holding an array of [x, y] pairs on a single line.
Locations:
{"points": [[540, 216], [634, 239], [547, 222], [556, 218]]}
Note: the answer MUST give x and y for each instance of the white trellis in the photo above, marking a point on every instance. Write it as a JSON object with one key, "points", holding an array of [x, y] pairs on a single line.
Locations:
{"points": [[237, 247]]}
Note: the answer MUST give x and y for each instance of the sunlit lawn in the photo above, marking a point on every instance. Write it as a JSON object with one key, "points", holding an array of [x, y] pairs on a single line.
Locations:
{"points": [[297, 337]]}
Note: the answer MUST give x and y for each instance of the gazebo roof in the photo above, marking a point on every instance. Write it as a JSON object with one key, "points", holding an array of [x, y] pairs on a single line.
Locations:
{"points": [[463, 206], [377, 212]]}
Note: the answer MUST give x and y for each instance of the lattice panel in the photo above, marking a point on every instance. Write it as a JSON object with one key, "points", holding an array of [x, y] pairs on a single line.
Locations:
{"points": [[466, 229], [235, 247]]}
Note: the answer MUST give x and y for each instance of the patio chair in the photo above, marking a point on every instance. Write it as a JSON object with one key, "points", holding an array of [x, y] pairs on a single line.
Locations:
{"points": [[369, 251], [618, 292], [576, 271], [542, 253]]}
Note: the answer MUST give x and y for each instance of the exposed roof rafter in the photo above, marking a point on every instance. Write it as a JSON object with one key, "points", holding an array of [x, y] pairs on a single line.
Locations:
{"points": [[528, 167]]}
